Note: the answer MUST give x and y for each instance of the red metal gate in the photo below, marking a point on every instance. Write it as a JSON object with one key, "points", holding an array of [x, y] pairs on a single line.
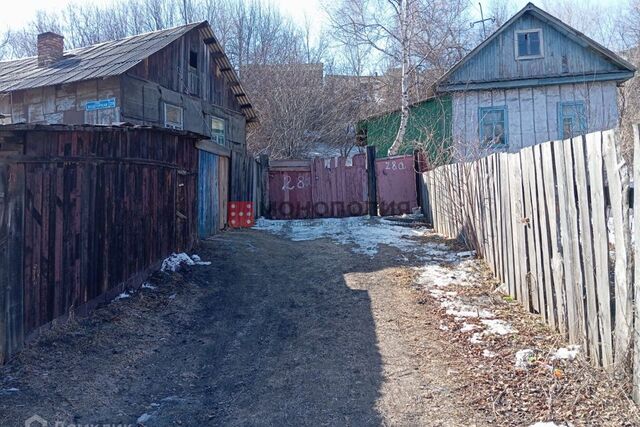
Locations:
{"points": [[337, 187], [319, 188], [396, 183]]}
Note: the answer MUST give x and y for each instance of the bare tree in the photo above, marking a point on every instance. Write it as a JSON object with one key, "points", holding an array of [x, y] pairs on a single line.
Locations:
{"points": [[420, 37]]}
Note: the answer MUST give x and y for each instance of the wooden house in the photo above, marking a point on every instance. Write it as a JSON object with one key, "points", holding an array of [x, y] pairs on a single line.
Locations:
{"points": [[177, 78], [533, 80]]}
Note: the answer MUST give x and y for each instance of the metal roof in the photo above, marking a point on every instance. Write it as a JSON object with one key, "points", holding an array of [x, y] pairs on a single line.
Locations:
{"points": [[113, 58]]}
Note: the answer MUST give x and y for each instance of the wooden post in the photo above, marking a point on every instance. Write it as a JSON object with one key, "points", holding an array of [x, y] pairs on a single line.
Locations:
{"points": [[264, 185], [371, 180], [636, 249], [11, 280]]}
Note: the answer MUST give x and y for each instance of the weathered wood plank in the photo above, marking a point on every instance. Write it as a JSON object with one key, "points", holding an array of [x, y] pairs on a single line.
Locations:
{"points": [[618, 180], [530, 223], [545, 256], [636, 253], [586, 239], [551, 189], [569, 241]]}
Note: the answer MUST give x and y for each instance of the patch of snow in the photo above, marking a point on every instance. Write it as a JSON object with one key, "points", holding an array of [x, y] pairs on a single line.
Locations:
{"points": [[488, 353], [143, 418], [476, 338], [468, 327], [466, 254], [497, 327], [461, 310], [493, 327], [522, 358], [443, 327], [122, 296], [10, 390], [172, 296], [174, 261], [566, 353], [147, 285], [364, 233]]}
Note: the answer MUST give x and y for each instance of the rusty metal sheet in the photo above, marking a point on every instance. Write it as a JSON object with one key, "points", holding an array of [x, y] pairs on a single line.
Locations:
{"points": [[396, 182]]}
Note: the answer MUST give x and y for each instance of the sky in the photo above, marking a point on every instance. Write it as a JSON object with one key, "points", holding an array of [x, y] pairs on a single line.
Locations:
{"points": [[17, 16], [24, 10]]}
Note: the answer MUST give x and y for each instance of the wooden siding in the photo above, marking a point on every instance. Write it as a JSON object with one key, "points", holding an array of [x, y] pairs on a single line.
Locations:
{"points": [[164, 77], [429, 127], [532, 114], [140, 95], [563, 57], [101, 207], [63, 104]]}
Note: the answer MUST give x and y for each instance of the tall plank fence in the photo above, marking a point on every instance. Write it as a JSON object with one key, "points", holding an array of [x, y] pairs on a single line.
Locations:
{"points": [[553, 223]]}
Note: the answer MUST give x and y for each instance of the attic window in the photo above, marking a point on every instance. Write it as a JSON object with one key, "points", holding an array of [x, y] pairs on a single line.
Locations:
{"points": [[193, 59], [529, 44]]}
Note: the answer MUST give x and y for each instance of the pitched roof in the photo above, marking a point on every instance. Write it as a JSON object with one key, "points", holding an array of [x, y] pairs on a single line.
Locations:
{"points": [[113, 58], [559, 25]]}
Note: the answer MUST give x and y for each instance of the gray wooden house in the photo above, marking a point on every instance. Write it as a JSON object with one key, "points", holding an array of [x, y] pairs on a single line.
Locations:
{"points": [[535, 79], [178, 78]]}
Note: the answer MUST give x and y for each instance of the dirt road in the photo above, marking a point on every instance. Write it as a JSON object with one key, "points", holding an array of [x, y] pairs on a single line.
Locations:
{"points": [[273, 332], [352, 322]]}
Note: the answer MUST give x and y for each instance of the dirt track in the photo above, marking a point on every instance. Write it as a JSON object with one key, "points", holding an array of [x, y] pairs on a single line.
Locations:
{"points": [[274, 332]]}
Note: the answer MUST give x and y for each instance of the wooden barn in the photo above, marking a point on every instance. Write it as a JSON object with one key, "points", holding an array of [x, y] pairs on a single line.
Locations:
{"points": [[533, 80], [178, 78]]}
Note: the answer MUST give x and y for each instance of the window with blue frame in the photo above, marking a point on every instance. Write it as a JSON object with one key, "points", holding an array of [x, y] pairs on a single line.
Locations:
{"points": [[572, 119], [493, 126]]}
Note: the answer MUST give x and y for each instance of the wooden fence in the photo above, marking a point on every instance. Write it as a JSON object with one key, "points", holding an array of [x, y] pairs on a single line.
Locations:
{"points": [[553, 223], [84, 213]]}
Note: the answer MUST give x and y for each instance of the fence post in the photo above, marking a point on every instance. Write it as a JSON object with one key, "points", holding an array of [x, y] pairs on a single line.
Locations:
{"points": [[371, 180], [264, 185], [636, 261]]}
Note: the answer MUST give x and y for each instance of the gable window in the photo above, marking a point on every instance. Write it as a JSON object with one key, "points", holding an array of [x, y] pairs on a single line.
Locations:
{"points": [[217, 131], [193, 76], [529, 44], [572, 119], [193, 59], [173, 116], [493, 125]]}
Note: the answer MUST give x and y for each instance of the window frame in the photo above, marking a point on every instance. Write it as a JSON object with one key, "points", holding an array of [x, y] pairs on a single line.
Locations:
{"points": [[505, 115], [224, 130], [581, 117], [174, 125], [540, 37]]}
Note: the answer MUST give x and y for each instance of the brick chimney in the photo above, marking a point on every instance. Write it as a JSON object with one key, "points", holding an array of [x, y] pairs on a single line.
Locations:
{"points": [[50, 48]]}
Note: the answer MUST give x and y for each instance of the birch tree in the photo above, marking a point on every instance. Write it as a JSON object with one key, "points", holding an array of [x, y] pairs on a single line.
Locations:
{"points": [[420, 37]]}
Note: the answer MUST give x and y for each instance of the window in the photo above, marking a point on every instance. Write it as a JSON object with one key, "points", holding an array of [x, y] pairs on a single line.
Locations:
{"points": [[493, 125], [172, 116], [529, 44], [193, 59], [217, 131], [572, 119]]}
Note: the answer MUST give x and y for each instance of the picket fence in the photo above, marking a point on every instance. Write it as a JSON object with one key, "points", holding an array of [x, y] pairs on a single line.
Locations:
{"points": [[553, 222]]}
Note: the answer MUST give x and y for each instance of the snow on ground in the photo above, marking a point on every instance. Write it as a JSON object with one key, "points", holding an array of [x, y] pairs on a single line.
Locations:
{"points": [[364, 233], [174, 261], [566, 353], [442, 268]]}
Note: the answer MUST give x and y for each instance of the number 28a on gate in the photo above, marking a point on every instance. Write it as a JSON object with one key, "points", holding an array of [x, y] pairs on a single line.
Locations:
{"points": [[394, 165]]}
